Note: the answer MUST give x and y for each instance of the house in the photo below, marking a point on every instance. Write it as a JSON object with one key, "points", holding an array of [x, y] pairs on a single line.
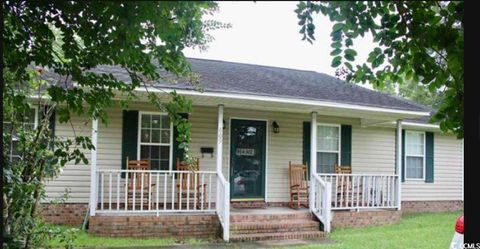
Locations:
{"points": [[247, 125]]}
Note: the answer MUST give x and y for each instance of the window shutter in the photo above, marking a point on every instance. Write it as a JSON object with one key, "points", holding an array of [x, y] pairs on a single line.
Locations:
{"points": [[129, 137], [403, 155], [346, 145], [429, 157], [177, 152], [306, 145]]}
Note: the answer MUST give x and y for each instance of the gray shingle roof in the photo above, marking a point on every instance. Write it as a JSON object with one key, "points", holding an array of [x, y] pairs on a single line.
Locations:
{"points": [[231, 77]]}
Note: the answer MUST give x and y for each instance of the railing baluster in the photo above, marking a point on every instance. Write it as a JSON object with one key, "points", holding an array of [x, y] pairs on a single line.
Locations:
{"points": [[149, 191], [126, 191], [102, 189], [358, 189], [165, 191], [180, 191], [188, 190], [210, 192], [141, 191], [110, 191], [158, 190], [353, 190], [336, 191], [203, 190], [134, 189], [173, 191], [195, 187], [341, 191], [118, 190]]}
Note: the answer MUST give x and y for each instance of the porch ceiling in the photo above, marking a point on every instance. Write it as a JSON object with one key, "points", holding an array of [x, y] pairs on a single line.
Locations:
{"points": [[367, 114]]}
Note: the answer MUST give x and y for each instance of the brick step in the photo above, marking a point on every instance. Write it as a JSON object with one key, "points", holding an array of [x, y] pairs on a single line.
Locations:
{"points": [[271, 217], [277, 236], [274, 227]]}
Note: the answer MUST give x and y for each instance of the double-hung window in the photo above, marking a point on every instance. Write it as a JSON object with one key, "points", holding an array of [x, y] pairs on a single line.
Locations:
{"points": [[29, 122], [414, 155], [328, 147], [155, 140]]}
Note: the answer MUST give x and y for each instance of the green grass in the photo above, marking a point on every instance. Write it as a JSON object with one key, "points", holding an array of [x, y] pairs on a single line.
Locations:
{"points": [[413, 231]]}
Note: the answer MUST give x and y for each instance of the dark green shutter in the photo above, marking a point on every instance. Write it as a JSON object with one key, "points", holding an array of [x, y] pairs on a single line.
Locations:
{"points": [[346, 145], [403, 155], [306, 145], [177, 152], [429, 156], [129, 137]]}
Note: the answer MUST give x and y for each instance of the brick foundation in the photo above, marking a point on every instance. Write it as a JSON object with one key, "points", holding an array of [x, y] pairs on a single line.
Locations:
{"points": [[342, 219], [64, 214], [144, 226], [431, 206]]}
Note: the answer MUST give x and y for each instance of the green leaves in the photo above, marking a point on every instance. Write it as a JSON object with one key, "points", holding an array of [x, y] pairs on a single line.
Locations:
{"points": [[336, 61], [350, 54], [418, 41]]}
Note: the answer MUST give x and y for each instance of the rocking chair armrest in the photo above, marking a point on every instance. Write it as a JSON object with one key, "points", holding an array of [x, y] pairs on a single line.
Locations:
{"points": [[295, 186]]}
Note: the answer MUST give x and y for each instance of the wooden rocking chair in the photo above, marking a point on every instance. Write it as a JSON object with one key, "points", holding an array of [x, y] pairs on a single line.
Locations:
{"points": [[189, 188], [139, 185], [298, 185], [347, 186]]}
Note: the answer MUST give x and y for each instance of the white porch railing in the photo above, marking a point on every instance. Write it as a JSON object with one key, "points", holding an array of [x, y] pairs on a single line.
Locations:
{"points": [[362, 191], [322, 201], [154, 191], [223, 207]]}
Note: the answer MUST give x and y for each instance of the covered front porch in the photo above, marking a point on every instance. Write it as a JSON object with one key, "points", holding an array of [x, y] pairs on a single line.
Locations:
{"points": [[209, 190]]}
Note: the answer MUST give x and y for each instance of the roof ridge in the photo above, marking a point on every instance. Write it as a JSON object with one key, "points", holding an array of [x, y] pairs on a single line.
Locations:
{"points": [[256, 65]]}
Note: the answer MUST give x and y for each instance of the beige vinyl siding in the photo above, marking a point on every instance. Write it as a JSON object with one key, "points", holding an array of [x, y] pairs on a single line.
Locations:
{"points": [[74, 178], [373, 151], [447, 168]]}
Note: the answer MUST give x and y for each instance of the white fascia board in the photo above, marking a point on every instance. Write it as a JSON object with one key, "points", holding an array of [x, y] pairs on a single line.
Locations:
{"points": [[287, 100]]}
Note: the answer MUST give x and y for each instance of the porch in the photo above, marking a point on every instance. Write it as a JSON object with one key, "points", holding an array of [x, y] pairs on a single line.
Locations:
{"points": [[156, 193]]}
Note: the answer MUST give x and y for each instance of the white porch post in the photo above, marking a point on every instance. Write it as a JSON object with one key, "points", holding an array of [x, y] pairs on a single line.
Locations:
{"points": [[93, 169], [313, 158], [219, 151], [399, 153]]}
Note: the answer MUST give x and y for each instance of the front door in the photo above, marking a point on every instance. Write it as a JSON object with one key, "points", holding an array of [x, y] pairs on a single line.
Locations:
{"points": [[247, 159]]}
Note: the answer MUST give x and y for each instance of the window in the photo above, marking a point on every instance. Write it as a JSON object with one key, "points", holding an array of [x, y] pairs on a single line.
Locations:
{"points": [[30, 122], [328, 150], [414, 155], [155, 140]]}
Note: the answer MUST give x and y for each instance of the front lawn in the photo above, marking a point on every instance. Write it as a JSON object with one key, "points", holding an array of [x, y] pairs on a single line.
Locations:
{"points": [[413, 231]]}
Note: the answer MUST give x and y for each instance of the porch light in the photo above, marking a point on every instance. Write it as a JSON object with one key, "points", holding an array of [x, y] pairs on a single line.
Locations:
{"points": [[276, 127]]}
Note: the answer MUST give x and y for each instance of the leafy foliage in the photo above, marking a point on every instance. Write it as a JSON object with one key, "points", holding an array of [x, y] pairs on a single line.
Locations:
{"points": [[418, 41], [69, 39]]}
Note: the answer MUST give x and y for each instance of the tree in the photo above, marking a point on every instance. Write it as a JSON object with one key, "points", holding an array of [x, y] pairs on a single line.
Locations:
{"points": [[69, 38], [418, 41]]}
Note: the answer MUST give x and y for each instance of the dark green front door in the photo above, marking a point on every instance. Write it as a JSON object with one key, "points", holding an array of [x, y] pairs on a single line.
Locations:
{"points": [[247, 159]]}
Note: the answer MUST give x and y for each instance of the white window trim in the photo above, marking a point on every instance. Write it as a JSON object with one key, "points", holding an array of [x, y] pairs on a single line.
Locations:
{"points": [[424, 155], [339, 141], [139, 143], [35, 125]]}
